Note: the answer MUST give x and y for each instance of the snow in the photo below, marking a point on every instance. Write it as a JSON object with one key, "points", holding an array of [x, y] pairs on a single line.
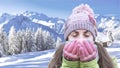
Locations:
{"points": [[41, 59], [102, 37], [109, 25], [49, 24], [114, 50], [1, 25], [59, 21], [27, 60]]}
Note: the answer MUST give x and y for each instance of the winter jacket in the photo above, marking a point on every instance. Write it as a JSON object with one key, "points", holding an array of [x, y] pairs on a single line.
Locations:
{"points": [[78, 64]]}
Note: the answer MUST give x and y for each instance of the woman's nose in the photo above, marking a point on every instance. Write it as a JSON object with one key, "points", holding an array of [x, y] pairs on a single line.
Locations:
{"points": [[81, 37]]}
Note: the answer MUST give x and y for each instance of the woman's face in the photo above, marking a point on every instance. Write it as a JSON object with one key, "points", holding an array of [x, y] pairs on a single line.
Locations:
{"points": [[80, 34]]}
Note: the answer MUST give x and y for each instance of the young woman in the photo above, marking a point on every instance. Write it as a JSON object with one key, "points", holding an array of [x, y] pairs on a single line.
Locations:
{"points": [[80, 49]]}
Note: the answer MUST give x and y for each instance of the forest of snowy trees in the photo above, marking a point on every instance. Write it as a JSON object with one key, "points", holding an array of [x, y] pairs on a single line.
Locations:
{"points": [[23, 41]]}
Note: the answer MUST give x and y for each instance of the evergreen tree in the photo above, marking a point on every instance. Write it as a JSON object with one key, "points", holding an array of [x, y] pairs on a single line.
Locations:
{"points": [[20, 38], [13, 42], [39, 39], [3, 42], [49, 41], [28, 40]]}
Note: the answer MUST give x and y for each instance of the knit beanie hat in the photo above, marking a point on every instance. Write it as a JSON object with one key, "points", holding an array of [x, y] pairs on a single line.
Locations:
{"points": [[82, 17]]}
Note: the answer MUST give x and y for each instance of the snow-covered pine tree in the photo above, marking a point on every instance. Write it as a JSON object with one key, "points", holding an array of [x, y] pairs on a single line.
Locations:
{"points": [[3, 42], [39, 39], [28, 40], [49, 41], [13, 42], [20, 38]]}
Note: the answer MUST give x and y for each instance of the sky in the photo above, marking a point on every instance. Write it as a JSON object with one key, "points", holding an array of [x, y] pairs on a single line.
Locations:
{"points": [[58, 8]]}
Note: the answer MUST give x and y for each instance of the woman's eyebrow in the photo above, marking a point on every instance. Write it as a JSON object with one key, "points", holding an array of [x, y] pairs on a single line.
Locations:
{"points": [[86, 31]]}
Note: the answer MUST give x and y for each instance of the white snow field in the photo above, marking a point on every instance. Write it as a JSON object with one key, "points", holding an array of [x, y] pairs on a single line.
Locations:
{"points": [[41, 59]]}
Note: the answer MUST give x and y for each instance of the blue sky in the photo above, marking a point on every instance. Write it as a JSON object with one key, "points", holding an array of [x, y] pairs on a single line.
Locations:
{"points": [[58, 8]]}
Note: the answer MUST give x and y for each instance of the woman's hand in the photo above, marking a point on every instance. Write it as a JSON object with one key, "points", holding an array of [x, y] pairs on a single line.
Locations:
{"points": [[87, 50], [71, 51], [80, 50]]}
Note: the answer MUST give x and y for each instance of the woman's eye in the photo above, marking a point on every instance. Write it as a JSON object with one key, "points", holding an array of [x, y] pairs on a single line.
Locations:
{"points": [[87, 34], [74, 34]]}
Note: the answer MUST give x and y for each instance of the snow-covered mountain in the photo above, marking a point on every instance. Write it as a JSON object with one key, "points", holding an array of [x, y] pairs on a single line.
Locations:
{"points": [[33, 20], [5, 17], [100, 17], [54, 23], [108, 24]]}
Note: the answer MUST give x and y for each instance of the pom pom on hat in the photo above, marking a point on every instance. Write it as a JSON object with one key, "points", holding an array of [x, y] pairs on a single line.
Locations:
{"points": [[82, 17], [83, 9]]}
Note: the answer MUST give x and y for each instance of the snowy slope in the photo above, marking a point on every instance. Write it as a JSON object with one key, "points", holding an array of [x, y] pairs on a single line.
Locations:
{"points": [[41, 59], [28, 60]]}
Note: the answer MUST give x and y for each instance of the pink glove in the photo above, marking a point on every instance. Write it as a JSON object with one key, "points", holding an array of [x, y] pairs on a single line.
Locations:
{"points": [[70, 51], [80, 50], [87, 51]]}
